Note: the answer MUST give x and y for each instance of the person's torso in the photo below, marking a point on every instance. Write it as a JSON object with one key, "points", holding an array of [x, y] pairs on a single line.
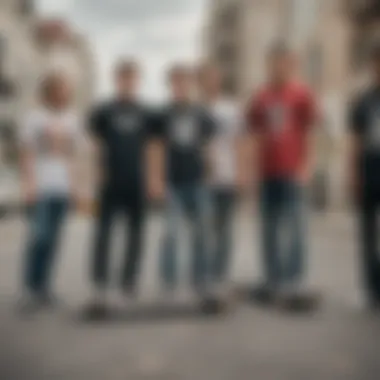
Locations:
{"points": [[185, 138], [124, 136], [283, 132], [370, 137], [227, 122], [54, 140]]}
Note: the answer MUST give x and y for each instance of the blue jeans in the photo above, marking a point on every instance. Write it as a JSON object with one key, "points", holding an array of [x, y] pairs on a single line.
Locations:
{"points": [[223, 202], [282, 217], [46, 219], [190, 203]]}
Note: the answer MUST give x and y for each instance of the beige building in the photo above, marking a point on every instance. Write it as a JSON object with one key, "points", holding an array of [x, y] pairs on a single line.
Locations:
{"points": [[29, 47], [331, 37]]}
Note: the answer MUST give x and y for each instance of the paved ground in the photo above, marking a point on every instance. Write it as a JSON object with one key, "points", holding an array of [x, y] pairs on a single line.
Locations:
{"points": [[338, 342]]}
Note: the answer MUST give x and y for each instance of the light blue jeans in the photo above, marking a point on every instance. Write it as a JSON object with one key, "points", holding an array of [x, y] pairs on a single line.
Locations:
{"points": [[188, 203]]}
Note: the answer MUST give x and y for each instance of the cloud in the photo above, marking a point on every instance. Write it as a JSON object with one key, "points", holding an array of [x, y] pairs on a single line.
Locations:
{"points": [[157, 32]]}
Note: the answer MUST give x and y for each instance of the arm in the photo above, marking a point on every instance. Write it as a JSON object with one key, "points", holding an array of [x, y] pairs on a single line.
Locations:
{"points": [[156, 169]]}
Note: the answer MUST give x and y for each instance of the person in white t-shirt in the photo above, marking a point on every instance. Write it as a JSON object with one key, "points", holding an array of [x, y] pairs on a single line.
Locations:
{"points": [[224, 173], [49, 138]]}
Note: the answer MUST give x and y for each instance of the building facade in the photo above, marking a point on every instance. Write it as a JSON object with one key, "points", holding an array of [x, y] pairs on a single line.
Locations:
{"points": [[331, 37], [29, 48]]}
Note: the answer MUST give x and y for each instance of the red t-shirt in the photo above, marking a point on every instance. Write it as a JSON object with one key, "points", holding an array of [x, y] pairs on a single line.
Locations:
{"points": [[282, 116]]}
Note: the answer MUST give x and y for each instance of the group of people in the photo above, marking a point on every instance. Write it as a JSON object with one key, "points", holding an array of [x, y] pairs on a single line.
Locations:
{"points": [[197, 153]]}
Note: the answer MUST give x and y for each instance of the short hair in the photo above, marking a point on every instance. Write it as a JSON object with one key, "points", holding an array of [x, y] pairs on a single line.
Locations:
{"points": [[374, 51], [126, 67], [180, 70], [279, 49], [49, 84]]}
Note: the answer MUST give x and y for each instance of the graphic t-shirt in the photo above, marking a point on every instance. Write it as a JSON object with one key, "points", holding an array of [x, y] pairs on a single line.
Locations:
{"points": [[228, 126], [282, 117], [123, 128], [52, 136], [185, 129], [364, 121]]}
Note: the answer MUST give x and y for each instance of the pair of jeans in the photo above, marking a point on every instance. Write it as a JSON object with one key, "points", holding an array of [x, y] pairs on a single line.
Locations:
{"points": [[223, 203], [370, 260], [113, 202], [282, 217], [46, 219], [188, 202]]}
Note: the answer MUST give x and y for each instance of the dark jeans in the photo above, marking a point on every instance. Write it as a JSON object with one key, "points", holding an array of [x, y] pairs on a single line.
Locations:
{"points": [[368, 210], [46, 220], [190, 203], [131, 204], [281, 209], [223, 202]]}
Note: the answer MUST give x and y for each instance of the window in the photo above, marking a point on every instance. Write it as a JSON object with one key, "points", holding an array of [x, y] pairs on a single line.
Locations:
{"points": [[303, 19], [26, 7]]}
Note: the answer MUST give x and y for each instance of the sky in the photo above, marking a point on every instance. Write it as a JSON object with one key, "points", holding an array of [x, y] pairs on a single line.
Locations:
{"points": [[156, 32]]}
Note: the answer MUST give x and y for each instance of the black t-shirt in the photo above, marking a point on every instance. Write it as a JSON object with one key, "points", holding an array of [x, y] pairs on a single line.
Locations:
{"points": [[365, 123], [185, 129], [123, 128]]}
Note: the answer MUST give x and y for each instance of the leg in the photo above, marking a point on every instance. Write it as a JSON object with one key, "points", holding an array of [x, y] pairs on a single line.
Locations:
{"points": [[100, 260], [270, 213], [168, 260], [197, 209], [370, 263], [135, 214], [294, 219], [58, 212], [223, 215], [38, 243]]}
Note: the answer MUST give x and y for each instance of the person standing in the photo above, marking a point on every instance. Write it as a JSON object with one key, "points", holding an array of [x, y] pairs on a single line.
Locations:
{"points": [[49, 141], [364, 175], [120, 128], [225, 173], [281, 117], [185, 130]]}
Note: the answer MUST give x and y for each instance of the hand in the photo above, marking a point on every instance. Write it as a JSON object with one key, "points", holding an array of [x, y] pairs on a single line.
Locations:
{"points": [[354, 188], [303, 177]]}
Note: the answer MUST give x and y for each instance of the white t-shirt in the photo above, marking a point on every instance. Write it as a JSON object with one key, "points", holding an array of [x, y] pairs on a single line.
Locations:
{"points": [[229, 123], [53, 137]]}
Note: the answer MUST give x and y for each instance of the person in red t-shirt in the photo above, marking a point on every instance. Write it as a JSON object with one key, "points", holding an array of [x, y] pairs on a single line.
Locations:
{"points": [[280, 118]]}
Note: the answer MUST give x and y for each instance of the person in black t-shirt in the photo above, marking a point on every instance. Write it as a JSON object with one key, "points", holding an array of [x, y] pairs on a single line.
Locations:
{"points": [[185, 129], [365, 175], [121, 128]]}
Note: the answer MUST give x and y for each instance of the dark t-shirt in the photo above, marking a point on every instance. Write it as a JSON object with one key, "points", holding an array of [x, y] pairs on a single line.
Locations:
{"points": [[123, 129], [364, 122], [185, 130]]}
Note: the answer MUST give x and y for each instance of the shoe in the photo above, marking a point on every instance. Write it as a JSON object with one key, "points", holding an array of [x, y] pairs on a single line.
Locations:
{"points": [[263, 295], [297, 299], [28, 305], [48, 300]]}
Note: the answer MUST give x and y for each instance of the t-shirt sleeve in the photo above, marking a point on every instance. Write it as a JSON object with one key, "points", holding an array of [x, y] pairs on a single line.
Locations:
{"points": [[156, 124], [96, 122], [208, 125], [254, 118], [357, 117]]}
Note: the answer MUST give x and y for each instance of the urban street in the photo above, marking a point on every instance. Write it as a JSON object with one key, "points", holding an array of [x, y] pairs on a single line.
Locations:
{"points": [[339, 341]]}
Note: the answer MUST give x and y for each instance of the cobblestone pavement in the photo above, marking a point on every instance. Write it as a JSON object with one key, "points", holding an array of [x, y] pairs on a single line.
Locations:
{"points": [[340, 341]]}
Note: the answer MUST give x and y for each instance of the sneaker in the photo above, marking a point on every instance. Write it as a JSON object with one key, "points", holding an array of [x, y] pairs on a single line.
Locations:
{"points": [[28, 304], [295, 298], [98, 306], [263, 295]]}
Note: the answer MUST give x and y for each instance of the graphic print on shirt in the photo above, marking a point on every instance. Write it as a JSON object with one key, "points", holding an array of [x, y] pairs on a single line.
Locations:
{"points": [[183, 131], [127, 122], [276, 116], [373, 135]]}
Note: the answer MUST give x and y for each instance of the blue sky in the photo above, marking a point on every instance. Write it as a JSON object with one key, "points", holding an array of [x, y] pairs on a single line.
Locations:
{"points": [[156, 32]]}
